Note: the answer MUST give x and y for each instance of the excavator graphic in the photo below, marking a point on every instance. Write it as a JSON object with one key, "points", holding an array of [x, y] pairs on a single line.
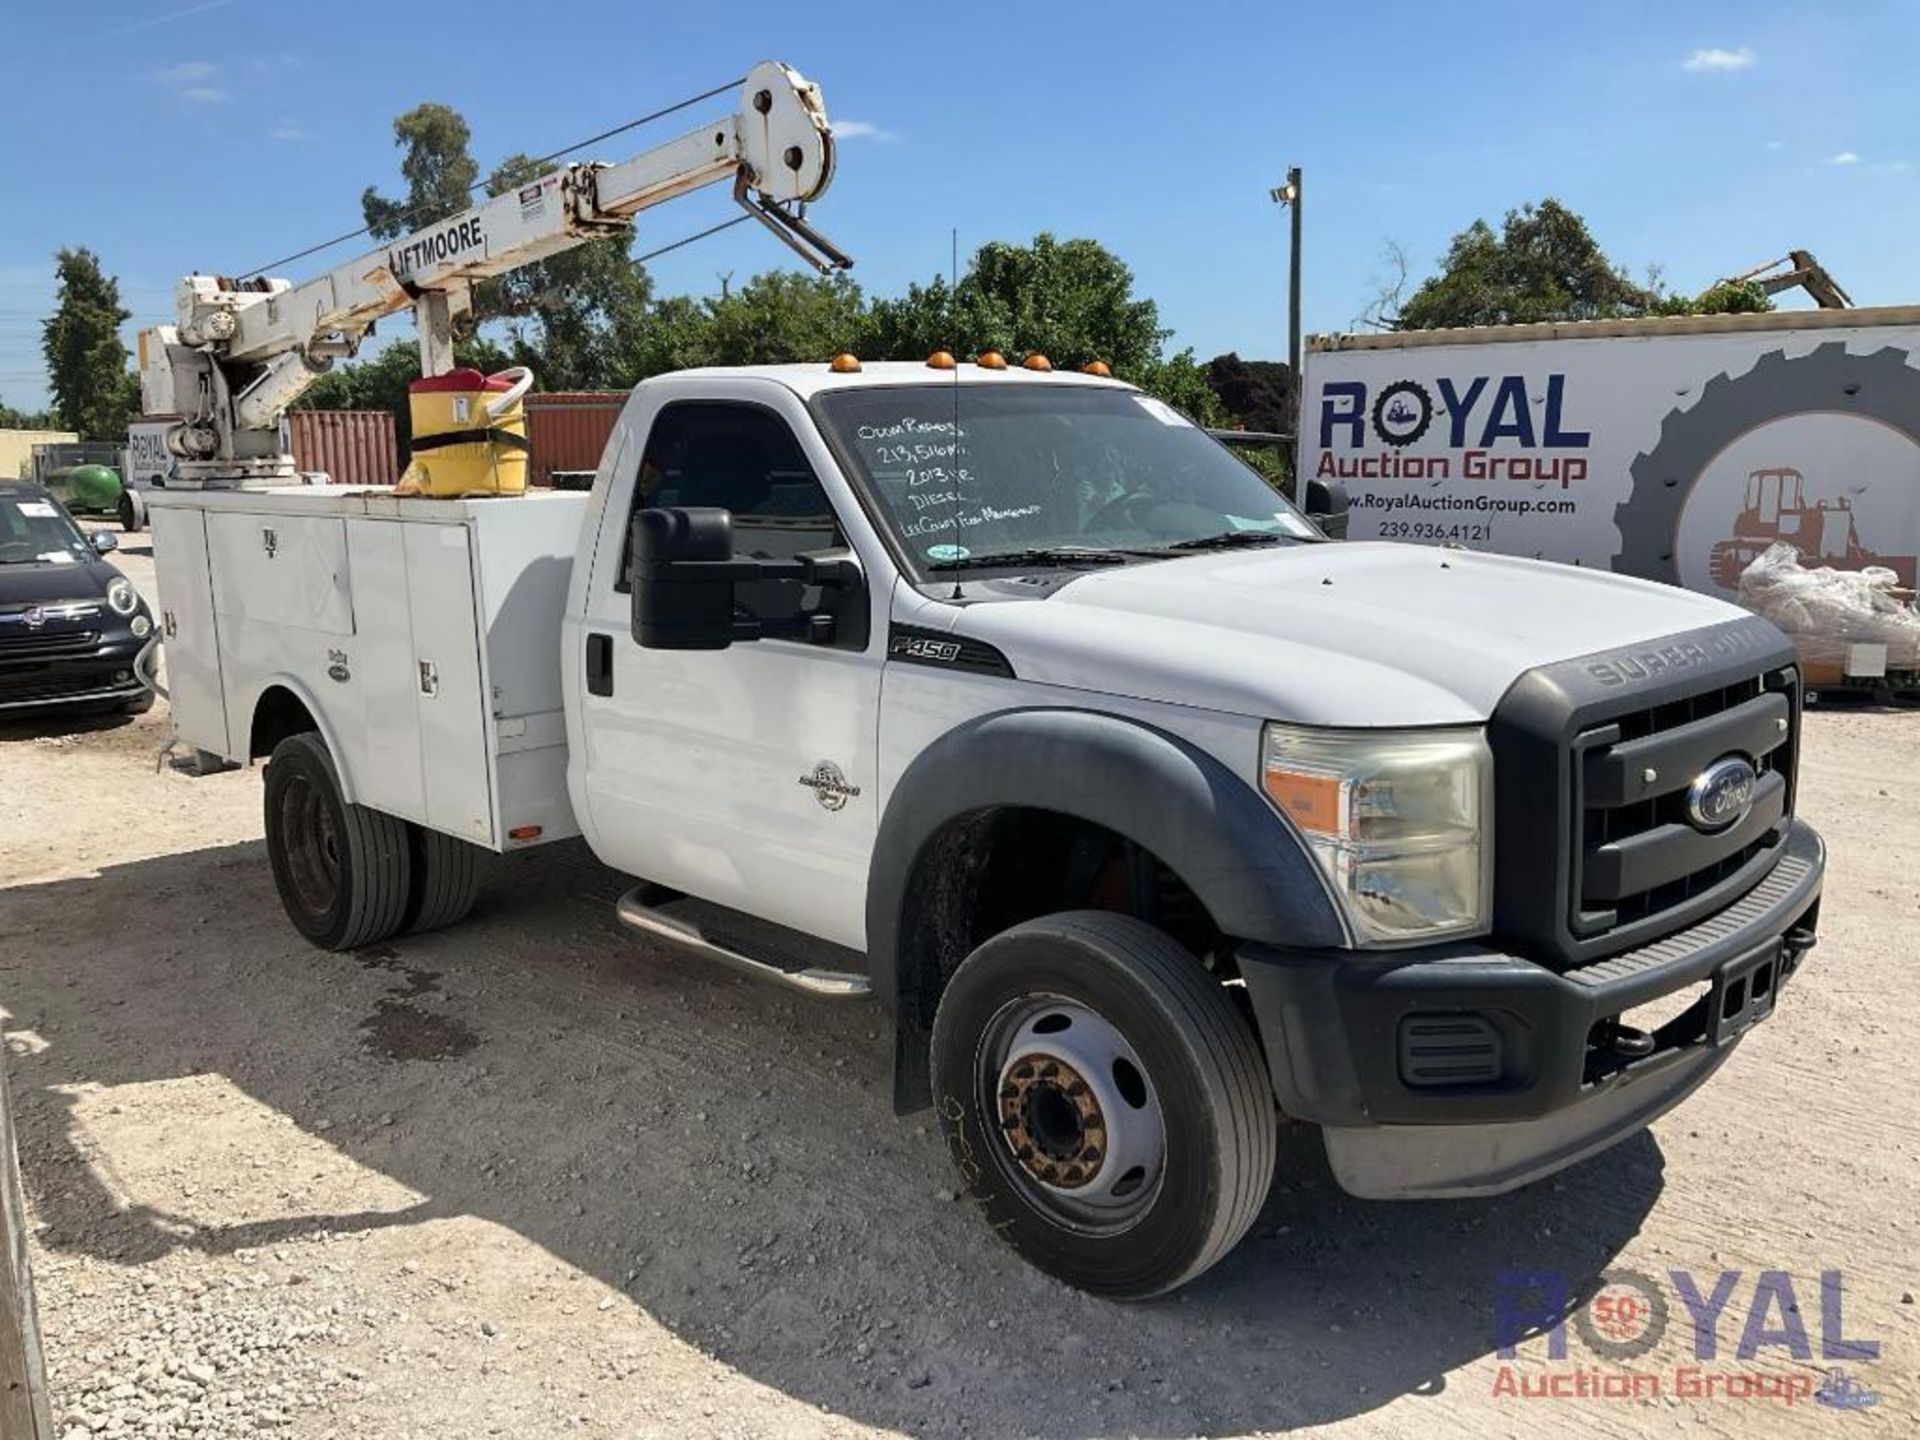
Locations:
{"points": [[1823, 532]]}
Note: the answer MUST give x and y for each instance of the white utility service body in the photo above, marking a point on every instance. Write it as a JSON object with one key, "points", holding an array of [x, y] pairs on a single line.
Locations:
{"points": [[419, 633], [978, 754]]}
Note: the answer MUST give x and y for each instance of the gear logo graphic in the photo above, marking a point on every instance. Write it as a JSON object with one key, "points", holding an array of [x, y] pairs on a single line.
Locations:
{"points": [[1402, 412]]}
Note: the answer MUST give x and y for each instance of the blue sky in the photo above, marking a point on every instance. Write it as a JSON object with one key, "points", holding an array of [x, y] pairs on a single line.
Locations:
{"points": [[215, 135]]}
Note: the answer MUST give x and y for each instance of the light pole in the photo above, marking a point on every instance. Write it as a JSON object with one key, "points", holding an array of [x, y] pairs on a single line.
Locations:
{"points": [[1288, 195]]}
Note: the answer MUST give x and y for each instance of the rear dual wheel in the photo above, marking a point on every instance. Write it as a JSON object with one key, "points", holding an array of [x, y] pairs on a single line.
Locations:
{"points": [[1106, 1103], [350, 876]]}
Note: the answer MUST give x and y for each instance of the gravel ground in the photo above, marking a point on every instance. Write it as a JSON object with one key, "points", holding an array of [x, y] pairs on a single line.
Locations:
{"points": [[534, 1177]]}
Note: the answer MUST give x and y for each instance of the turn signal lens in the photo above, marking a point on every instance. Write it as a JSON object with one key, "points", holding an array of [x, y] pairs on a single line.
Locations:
{"points": [[991, 360], [941, 360], [1036, 361], [845, 363], [524, 832], [1097, 367]]}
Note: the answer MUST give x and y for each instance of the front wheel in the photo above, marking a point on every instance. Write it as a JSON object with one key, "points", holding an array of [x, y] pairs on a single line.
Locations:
{"points": [[343, 871], [133, 511], [1106, 1103]]}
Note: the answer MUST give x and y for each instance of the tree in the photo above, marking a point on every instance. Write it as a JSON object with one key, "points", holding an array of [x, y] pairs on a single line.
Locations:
{"points": [[94, 393], [439, 172], [380, 383], [1543, 264], [781, 316], [1257, 394], [577, 318], [12, 419]]}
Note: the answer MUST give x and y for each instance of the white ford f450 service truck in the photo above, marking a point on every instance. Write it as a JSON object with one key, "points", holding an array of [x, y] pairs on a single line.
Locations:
{"points": [[1016, 701]]}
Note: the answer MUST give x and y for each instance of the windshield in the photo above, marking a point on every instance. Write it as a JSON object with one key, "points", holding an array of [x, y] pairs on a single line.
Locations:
{"points": [[1048, 468], [33, 529]]}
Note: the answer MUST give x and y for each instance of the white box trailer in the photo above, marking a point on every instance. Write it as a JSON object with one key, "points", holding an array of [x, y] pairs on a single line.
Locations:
{"points": [[1672, 449], [435, 622]]}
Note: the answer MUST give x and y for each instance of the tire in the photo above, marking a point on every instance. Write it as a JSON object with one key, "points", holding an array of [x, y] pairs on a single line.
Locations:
{"points": [[1092, 995], [342, 870], [446, 880], [133, 511]]}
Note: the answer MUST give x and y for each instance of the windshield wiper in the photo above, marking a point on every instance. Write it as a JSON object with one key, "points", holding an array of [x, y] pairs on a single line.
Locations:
{"points": [[1039, 555], [1231, 540]]}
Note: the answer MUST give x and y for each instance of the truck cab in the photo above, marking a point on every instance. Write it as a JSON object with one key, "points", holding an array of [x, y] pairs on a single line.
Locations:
{"points": [[1014, 700]]}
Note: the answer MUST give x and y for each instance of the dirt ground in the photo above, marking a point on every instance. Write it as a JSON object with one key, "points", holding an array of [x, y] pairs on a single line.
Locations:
{"points": [[535, 1177]]}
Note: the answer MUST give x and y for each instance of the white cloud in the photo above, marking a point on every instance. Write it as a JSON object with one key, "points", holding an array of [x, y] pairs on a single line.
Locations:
{"points": [[1844, 157], [1776, 144], [1716, 58], [167, 18], [287, 130], [862, 130], [193, 80]]}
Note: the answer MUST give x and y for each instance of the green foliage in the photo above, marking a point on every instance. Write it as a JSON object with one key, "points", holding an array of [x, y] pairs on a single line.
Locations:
{"points": [[1255, 394], [12, 419], [94, 393], [380, 383], [1544, 264], [1729, 297], [782, 316], [439, 172], [576, 318]]}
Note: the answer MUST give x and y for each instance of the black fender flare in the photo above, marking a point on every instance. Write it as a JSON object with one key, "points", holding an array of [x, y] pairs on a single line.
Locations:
{"points": [[1212, 827]]}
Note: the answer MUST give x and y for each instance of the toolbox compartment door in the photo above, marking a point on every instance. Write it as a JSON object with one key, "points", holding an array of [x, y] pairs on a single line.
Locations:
{"points": [[195, 691], [281, 570]]}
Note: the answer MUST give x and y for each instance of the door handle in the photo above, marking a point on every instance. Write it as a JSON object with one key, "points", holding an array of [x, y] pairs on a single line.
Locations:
{"points": [[599, 664]]}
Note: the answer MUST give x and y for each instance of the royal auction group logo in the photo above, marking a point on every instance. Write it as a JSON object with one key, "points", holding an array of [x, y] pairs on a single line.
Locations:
{"points": [[1627, 1314]]}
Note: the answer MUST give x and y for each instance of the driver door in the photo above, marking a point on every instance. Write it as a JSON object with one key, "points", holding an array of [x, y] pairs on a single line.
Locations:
{"points": [[744, 776]]}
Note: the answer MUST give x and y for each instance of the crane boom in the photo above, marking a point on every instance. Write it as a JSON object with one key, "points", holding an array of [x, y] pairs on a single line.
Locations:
{"points": [[241, 351]]}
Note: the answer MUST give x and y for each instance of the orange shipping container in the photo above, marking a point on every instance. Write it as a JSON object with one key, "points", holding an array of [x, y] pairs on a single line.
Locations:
{"points": [[353, 447], [568, 429]]}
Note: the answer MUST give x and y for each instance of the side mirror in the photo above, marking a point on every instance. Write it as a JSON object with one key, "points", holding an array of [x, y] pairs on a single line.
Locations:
{"points": [[682, 582], [1326, 506], [105, 541], [685, 571]]}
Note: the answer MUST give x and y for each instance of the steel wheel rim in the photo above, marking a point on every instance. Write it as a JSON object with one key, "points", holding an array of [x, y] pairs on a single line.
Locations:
{"points": [[1080, 1131], [312, 845]]}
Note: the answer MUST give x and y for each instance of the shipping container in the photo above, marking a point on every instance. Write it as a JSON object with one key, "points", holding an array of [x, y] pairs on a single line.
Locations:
{"points": [[1672, 449], [352, 447], [567, 430]]}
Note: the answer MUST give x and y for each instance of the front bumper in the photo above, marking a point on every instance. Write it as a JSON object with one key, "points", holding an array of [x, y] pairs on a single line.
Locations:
{"points": [[103, 676], [1461, 1070]]}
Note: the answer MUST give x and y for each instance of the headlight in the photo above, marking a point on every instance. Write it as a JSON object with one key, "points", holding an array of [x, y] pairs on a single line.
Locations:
{"points": [[141, 627], [1398, 821], [121, 595]]}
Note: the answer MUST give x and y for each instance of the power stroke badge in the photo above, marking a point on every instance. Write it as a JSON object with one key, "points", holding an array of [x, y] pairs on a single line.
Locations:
{"points": [[829, 785]]}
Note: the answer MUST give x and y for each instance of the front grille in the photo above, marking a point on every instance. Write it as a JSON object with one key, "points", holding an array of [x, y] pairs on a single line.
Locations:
{"points": [[1639, 854], [1594, 851], [35, 645]]}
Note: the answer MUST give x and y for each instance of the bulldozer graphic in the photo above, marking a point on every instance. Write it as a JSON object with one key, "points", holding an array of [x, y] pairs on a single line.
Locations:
{"points": [[1824, 532]]}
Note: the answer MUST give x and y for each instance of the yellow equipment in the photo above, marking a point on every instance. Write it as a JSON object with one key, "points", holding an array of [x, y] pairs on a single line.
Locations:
{"points": [[469, 434]]}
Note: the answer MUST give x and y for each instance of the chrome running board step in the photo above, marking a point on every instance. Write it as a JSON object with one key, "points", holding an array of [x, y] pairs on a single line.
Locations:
{"points": [[688, 930]]}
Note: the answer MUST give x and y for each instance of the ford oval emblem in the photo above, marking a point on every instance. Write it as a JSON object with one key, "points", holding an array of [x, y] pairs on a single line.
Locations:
{"points": [[1722, 794]]}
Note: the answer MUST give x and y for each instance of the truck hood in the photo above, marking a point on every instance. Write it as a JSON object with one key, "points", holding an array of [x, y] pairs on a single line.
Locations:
{"points": [[1353, 634]]}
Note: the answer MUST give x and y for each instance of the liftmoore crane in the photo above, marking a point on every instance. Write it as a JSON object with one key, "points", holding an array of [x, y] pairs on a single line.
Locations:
{"points": [[241, 351]]}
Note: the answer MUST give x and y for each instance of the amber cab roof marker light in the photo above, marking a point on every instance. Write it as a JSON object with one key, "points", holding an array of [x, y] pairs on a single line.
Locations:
{"points": [[845, 363], [941, 360], [991, 360], [1036, 361], [1097, 367]]}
